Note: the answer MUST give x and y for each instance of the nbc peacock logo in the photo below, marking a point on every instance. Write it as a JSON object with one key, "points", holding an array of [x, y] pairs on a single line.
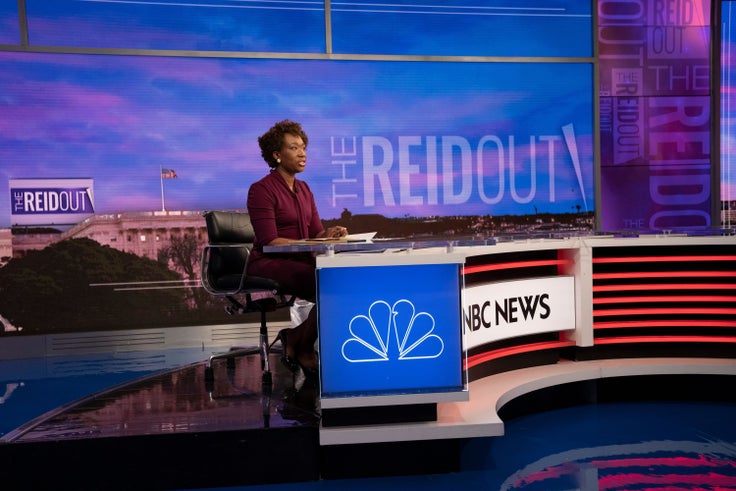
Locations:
{"points": [[392, 331]]}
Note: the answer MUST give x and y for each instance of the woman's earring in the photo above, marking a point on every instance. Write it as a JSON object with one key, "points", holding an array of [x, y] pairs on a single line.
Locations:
{"points": [[278, 161]]}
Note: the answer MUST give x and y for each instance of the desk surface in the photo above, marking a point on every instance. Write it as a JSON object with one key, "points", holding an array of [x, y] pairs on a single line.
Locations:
{"points": [[329, 246], [340, 252], [375, 245]]}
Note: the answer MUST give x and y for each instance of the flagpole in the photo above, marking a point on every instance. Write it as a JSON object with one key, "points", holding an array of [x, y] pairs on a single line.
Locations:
{"points": [[161, 176]]}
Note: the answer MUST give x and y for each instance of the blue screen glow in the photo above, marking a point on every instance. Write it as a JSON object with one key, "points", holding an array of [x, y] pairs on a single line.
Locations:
{"points": [[390, 329]]}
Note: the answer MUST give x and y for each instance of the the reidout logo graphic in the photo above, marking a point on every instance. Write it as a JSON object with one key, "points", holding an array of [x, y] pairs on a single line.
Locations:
{"points": [[508, 309], [392, 332], [456, 170], [51, 201]]}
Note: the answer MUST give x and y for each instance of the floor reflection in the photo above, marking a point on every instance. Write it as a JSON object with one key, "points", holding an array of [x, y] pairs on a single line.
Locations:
{"points": [[628, 446], [178, 401], [9, 389], [617, 447]]}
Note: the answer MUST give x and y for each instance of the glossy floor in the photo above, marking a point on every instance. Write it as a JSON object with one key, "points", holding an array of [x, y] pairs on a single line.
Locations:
{"points": [[662, 445], [163, 402], [615, 446], [29, 387]]}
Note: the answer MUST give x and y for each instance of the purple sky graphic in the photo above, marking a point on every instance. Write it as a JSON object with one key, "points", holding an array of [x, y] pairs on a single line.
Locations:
{"points": [[119, 119]]}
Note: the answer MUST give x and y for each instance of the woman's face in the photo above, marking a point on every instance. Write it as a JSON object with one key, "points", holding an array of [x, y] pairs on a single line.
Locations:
{"points": [[293, 154]]}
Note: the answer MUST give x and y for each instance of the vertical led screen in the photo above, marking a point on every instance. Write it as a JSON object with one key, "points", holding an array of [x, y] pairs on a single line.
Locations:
{"points": [[655, 114], [728, 112]]}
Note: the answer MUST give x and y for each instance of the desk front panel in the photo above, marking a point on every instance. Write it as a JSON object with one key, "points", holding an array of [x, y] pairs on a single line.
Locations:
{"points": [[390, 330]]}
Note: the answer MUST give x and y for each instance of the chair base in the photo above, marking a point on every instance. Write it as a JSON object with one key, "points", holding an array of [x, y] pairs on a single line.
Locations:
{"points": [[230, 357]]}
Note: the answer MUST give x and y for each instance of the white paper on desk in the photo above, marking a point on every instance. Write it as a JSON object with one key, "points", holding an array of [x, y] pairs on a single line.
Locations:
{"points": [[366, 236]]}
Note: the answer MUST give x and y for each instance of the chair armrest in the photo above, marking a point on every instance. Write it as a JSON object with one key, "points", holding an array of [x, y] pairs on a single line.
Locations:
{"points": [[205, 277]]}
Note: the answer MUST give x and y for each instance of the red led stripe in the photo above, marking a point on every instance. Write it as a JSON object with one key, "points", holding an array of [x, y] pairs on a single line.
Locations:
{"points": [[660, 259], [667, 298], [666, 339], [669, 310], [664, 274], [516, 264], [665, 286], [660, 323], [514, 350]]}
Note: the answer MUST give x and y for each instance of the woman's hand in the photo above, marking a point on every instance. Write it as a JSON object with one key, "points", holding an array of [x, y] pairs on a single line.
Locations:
{"points": [[335, 232]]}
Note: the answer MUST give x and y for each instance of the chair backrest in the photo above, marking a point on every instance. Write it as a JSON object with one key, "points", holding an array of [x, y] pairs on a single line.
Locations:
{"points": [[227, 227], [226, 265]]}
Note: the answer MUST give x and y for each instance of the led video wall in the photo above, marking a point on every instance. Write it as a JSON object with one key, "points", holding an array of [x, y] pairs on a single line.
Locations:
{"points": [[406, 136], [655, 121], [728, 111]]}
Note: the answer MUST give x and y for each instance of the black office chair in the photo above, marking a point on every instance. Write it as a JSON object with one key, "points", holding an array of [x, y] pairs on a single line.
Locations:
{"points": [[224, 274]]}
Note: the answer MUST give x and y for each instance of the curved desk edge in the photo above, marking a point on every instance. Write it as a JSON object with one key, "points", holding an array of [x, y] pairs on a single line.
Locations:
{"points": [[478, 417]]}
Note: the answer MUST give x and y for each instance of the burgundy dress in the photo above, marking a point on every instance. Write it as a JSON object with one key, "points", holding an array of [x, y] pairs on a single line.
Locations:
{"points": [[276, 211]]}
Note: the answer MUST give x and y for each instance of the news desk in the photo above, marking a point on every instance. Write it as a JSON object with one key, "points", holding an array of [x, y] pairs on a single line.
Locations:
{"points": [[428, 339], [390, 322]]}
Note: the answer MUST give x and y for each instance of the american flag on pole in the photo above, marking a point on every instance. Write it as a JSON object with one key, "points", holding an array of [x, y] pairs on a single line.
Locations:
{"points": [[168, 174]]}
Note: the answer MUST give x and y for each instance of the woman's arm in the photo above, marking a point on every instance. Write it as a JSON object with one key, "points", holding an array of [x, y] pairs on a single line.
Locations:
{"points": [[261, 209], [315, 225]]}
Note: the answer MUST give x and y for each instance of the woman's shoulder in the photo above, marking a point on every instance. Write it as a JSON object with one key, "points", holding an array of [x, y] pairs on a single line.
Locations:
{"points": [[270, 177], [267, 181], [262, 189]]}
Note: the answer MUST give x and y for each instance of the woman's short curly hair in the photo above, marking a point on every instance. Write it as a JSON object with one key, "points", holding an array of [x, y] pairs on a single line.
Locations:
{"points": [[272, 140]]}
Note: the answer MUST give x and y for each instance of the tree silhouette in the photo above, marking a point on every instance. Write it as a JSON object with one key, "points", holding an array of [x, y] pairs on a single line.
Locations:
{"points": [[184, 252], [79, 285]]}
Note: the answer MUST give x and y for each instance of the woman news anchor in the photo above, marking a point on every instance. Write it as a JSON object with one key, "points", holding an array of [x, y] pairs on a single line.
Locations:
{"points": [[282, 210]]}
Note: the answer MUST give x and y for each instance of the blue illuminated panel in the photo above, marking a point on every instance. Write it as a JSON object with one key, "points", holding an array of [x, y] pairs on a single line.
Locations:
{"points": [[390, 330], [463, 27]]}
